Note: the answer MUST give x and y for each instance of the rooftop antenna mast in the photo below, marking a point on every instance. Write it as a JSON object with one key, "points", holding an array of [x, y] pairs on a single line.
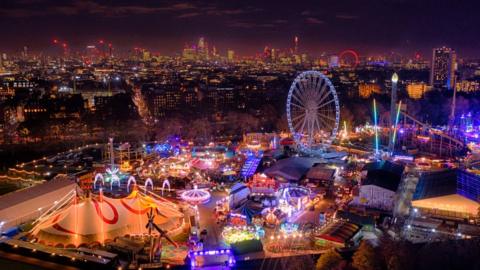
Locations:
{"points": [[112, 158], [451, 118]]}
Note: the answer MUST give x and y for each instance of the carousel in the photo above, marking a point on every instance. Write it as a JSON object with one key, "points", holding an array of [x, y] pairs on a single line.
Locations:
{"points": [[196, 196]]}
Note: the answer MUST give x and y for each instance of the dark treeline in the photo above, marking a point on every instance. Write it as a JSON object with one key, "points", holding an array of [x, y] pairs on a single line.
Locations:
{"points": [[400, 255]]}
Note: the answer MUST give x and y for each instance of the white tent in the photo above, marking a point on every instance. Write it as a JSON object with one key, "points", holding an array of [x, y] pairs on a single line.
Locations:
{"points": [[454, 204]]}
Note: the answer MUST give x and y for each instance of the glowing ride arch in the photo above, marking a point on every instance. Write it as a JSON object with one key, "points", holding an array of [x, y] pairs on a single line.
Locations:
{"points": [[114, 179], [166, 183], [98, 177], [148, 182], [130, 180]]}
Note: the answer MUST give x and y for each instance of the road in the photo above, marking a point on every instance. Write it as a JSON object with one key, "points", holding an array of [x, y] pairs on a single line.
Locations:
{"points": [[308, 216], [207, 221]]}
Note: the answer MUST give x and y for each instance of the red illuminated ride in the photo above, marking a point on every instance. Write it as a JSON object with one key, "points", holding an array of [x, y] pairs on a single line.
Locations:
{"points": [[262, 184], [344, 58]]}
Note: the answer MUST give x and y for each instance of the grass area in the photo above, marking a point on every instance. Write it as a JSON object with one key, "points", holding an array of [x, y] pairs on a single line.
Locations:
{"points": [[14, 265]]}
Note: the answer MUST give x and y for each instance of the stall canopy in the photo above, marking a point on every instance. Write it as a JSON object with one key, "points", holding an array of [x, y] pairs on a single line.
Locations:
{"points": [[292, 169], [248, 210]]}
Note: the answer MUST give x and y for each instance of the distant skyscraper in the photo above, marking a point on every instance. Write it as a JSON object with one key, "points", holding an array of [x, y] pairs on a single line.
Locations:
{"points": [[296, 45], [214, 51], [201, 43], [267, 53], [444, 62], [230, 55], [334, 61], [146, 55], [189, 54], [202, 49], [273, 54]]}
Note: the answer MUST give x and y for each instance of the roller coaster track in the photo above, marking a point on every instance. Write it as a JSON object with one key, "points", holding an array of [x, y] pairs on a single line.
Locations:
{"points": [[437, 132]]}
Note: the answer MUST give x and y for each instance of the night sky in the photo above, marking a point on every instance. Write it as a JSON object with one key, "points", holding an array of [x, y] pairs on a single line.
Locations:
{"points": [[368, 26]]}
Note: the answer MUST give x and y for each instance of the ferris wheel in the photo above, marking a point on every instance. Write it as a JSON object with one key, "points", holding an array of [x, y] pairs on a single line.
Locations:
{"points": [[313, 111]]}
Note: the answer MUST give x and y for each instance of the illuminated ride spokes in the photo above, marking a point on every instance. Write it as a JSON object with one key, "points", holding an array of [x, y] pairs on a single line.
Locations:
{"points": [[313, 111], [98, 177], [234, 234], [196, 196]]}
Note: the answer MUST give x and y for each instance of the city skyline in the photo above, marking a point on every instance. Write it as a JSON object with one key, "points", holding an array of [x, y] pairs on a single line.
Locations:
{"points": [[382, 27]]}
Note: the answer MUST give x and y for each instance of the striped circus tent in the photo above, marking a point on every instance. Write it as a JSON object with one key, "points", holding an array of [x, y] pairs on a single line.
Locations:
{"points": [[98, 219]]}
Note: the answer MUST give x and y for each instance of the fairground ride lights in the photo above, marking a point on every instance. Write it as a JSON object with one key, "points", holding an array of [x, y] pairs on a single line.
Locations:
{"points": [[234, 234]]}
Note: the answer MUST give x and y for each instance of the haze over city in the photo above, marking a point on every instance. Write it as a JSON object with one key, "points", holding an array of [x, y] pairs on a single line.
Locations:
{"points": [[371, 27]]}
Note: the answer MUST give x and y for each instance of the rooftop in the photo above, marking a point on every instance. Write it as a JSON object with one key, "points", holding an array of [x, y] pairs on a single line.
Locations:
{"points": [[384, 174], [292, 169], [340, 231]]}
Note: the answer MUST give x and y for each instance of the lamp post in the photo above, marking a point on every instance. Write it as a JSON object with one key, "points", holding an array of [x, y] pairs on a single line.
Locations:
{"points": [[393, 103]]}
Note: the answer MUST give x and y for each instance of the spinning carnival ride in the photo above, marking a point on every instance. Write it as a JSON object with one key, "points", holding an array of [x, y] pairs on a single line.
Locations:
{"points": [[313, 111]]}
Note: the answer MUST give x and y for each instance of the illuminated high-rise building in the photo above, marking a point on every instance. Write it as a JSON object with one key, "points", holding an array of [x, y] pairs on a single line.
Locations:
{"points": [[295, 50], [146, 55], [189, 54], [202, 49], [25, 51], [230, 55], [444, 64], [334, 61], [201, 44], [267, 52]]}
